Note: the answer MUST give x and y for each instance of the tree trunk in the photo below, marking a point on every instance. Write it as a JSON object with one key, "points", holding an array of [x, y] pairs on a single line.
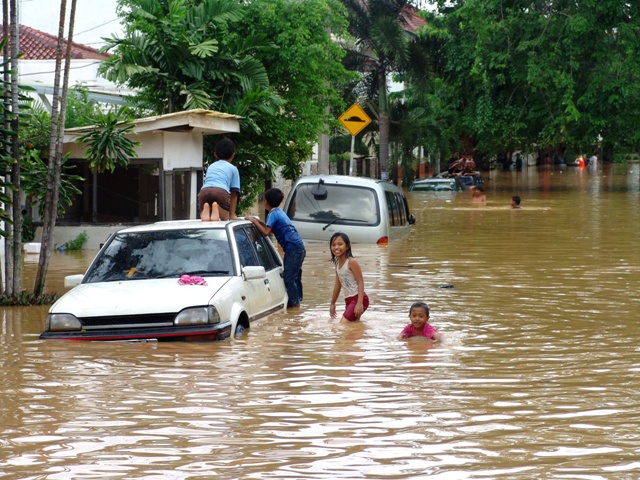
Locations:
{"points": [[51, 200], [383, 125], [8, 258], [16, 228]]}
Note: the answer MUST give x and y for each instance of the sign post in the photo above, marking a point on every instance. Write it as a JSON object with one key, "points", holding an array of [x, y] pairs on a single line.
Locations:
{"points": [[354, 120]]}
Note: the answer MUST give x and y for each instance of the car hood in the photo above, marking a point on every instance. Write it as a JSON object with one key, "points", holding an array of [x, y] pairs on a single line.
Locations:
{"points": [[136, 297]]}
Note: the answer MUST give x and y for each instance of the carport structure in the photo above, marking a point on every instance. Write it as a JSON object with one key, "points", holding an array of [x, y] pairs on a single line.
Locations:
{"points": [[161, 183]]}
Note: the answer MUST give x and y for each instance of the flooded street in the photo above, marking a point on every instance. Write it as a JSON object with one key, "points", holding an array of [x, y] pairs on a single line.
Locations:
{"points": [[537, 377]]}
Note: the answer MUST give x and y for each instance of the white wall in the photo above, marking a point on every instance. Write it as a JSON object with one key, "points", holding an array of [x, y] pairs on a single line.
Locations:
{"points": [[84, 72]]}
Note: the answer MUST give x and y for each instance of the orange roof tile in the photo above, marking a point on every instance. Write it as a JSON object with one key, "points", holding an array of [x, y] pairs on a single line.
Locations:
{"points": [[37, 45]]}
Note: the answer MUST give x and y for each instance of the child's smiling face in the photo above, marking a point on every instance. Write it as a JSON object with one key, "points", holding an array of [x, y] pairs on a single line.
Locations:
{"points": [[338, 247], [418, 317]]}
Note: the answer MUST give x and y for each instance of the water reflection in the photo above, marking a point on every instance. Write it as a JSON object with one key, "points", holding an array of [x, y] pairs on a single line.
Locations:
{"points": [[535, 378]]}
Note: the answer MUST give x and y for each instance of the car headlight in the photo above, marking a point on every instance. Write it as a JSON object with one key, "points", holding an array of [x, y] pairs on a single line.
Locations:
{"points": [[197, 316], [59, 322]]}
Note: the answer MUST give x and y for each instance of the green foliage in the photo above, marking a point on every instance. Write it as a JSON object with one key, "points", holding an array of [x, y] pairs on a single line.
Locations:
{"points": [[107, 145], [213, 54], [34, 174], [180, 56], [546, 73], [6, 159], [27, 299], [304, 69], [28, 229], [342, 143], [383, 40], [80, 108], [77, 243]]}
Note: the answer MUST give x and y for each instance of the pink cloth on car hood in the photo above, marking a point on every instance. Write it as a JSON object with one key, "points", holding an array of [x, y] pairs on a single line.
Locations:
{"points": [[189, 280]]}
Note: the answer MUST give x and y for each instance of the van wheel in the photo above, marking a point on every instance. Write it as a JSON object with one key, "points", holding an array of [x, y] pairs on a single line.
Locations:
{"points": [[239, 331]]}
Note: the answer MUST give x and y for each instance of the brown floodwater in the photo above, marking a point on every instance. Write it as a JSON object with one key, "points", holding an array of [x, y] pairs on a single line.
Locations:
{"points": [[538, 375]]}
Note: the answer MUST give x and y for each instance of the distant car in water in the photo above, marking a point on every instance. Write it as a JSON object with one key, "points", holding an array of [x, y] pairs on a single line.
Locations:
{"points": [[436, 184], [367, 210], [176, 280]]}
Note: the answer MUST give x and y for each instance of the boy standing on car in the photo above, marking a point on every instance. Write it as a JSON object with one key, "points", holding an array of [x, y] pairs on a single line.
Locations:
{"points": [[280, 225]]}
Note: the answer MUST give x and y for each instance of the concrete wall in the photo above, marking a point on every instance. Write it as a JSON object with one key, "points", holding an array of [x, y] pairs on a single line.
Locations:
{"points": [[97, 234]]}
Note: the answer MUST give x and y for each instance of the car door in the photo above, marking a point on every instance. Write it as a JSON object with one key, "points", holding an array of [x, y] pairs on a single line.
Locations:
{"points": [[264, 294], [272, 264]]}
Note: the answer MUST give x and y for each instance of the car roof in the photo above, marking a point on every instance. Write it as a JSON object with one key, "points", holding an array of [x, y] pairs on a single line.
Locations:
{"points": [[435, 180], [179, 225], [346, 180]]}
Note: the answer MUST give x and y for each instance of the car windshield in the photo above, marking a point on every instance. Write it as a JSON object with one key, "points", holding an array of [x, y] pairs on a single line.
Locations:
{"points": [[434, 186], [162, 254], [342, 205]]}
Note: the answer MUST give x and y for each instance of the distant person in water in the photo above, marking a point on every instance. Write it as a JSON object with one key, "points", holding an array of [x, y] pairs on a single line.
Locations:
{"points": [[477, 195], [419, 326], [515, 201]]}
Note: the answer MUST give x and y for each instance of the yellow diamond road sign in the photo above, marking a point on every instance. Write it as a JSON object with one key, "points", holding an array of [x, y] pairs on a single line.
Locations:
{"points": [[354, 119]]}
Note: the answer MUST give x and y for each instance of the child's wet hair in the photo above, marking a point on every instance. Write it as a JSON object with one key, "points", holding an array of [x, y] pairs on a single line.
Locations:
{"points": [[420, 305], [347, 242], [274, 197]]}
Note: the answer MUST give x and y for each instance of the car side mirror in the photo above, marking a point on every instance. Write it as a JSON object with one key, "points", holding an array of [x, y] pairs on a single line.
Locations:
{"points": [[71, 281], [412, 219], [252, 273]]}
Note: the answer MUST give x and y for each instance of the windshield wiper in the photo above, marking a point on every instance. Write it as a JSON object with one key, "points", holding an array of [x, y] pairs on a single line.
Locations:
{"points": [[194, 272], [335, 219], [344, 220]]}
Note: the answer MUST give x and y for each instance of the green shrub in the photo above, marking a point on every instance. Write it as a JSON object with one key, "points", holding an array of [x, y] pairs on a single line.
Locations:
{"points": [[27, 299], [28, 229], [77, 243]]}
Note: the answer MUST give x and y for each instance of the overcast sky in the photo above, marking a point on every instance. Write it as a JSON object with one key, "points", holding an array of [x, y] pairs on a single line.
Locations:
{"points": [[94, 19]]}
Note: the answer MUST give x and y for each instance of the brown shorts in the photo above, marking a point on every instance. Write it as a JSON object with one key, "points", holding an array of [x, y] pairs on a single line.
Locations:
{"points": [[214, 194]]}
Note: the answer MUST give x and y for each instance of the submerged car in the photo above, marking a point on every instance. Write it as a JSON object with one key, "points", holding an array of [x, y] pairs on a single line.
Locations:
{"points": [[436, 185], [367, 210], [177, 280]]}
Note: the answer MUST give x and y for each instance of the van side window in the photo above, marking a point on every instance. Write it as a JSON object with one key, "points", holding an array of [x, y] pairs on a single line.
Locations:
{"points": [[398, 207]]}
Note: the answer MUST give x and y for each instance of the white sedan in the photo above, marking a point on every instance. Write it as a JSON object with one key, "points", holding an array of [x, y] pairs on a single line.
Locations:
{"points": [[177, 280]]}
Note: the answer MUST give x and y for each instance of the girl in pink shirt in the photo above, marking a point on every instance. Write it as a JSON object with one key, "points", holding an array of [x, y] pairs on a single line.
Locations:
{"points": [[419, 326]]}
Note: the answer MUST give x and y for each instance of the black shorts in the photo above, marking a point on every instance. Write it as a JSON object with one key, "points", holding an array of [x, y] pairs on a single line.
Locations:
{"points": [[214, 194]]}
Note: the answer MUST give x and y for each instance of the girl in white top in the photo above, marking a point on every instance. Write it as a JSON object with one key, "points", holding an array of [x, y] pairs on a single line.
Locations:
{"points": [[349, 278]]}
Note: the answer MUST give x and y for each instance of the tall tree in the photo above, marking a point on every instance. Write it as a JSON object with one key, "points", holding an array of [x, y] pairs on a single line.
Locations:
{"points": [[178, 54], [11, 149], [212, 54], [382, 31], [543, 73], [58, 108], [304, 68]]}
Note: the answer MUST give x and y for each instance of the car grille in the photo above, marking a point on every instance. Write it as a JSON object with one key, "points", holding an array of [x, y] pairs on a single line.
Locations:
{"points": [[127, 321]]}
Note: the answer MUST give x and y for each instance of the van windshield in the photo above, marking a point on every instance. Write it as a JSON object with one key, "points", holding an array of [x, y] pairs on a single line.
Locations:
{"points": [[342, 205]]}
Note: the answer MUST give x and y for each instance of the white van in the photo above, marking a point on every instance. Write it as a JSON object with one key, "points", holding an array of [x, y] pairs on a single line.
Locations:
{"points": [[367, 210]]}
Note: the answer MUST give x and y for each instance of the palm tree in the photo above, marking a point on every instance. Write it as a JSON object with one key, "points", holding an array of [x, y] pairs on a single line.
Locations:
{"points": [[58, 107], [179, 58], [382, 33]]}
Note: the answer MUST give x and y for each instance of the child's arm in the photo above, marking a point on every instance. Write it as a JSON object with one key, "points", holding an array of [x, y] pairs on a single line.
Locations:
{"points": [[262, 227], [404, 334], [334, 297], [357, 273]]}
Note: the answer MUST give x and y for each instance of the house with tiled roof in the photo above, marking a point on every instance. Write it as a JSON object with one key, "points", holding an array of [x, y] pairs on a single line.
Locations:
{"points": [[37, 45], [36, 67]]}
